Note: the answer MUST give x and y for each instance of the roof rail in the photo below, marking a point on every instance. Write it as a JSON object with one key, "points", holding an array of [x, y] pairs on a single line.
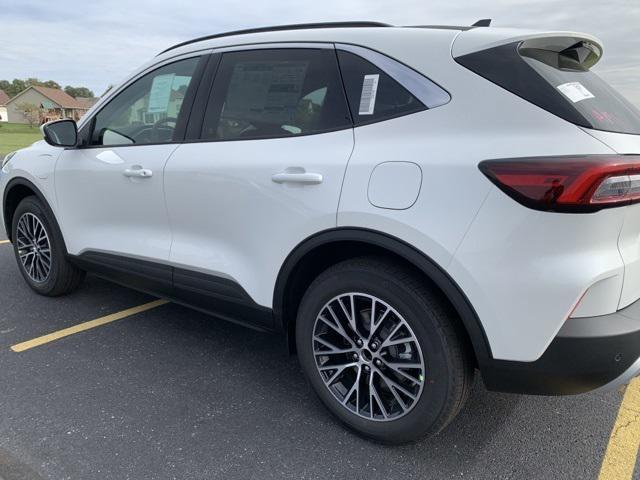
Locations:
{"points": [[299, 26], [485, 22]]}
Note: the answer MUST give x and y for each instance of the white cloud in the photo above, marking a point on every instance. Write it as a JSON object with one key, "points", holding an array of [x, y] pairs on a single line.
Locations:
{"points": [[97, 43]]}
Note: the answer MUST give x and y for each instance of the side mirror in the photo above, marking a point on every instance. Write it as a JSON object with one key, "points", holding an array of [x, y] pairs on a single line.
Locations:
{"points": [[60, 133]]}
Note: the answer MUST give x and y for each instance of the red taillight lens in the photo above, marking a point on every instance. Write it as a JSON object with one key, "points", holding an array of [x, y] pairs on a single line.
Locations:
{"points": [[568, 184]]}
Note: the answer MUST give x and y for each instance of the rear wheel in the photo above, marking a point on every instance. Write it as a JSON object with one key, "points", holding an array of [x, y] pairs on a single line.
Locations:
{"points": [[382, 352], [40, 251]]}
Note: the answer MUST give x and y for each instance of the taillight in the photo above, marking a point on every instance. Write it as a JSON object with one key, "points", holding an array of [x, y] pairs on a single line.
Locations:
{"points": [[568, 184]]}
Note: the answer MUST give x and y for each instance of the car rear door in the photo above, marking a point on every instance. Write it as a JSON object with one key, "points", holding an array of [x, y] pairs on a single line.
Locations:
{"points": [[266, 171], [110, 191]]}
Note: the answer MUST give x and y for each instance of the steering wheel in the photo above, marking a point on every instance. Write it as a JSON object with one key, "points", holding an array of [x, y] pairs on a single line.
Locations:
{"points": [[155, 129]]}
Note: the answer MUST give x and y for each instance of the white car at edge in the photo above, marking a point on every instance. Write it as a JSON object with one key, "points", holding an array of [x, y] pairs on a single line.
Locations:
{"points": [[404, 204]]}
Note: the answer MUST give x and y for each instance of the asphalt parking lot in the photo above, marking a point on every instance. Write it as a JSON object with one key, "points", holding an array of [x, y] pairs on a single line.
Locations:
{"points": [[171, 393]]}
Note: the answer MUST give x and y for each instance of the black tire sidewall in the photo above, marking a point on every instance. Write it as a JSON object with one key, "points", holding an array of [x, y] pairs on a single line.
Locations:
{"points": [[425, 416], [34, 206]]}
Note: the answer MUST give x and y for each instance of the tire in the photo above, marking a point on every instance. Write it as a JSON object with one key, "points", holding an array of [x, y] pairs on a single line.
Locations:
{"points": [[437, 347], [30, 219]]}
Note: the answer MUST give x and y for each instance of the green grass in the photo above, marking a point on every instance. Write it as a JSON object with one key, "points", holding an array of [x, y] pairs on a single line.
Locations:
{"points": [[15, 135]]}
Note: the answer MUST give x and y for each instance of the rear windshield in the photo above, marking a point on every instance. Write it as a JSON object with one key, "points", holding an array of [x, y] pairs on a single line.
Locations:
{"points": [[557, 83]]}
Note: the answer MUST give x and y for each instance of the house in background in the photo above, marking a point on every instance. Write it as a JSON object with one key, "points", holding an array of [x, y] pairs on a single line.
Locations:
{"points": [[4, 98], [87, 102], [53, 103]]}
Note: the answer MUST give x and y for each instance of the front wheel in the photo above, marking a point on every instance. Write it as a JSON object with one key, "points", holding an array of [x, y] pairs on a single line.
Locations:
{"points": [[40, 252], [383, 352]]}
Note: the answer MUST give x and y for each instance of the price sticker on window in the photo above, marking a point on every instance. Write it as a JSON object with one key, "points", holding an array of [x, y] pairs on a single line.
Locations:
{"points": [[575, 91], [368, 96]]}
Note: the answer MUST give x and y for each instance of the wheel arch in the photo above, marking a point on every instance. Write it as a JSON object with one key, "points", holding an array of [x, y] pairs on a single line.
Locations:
{"points": [[16, 190], [311, 257]]}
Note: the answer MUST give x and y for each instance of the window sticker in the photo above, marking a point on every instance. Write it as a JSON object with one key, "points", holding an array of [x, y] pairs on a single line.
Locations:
{"points": [[368, 96], [160, 93], [575, 91], [266, 91]]}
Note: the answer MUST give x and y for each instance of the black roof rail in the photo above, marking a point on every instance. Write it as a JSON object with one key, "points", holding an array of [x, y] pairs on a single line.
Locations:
{"points": [[485, 22], [442, 27], [298, 26]]}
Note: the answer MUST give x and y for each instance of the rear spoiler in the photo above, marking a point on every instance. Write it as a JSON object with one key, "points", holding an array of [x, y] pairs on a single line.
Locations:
{"points": [[583, 49]]}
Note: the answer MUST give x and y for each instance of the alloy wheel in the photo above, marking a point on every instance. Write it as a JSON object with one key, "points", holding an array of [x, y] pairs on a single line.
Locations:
{"points": [[34, 247], [368, 357]]}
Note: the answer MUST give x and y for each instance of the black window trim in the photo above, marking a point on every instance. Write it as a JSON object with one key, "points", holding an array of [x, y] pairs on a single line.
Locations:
{"points": [[207, 71], [354, 49], [418, 76], [335, 46], [86, 130]]}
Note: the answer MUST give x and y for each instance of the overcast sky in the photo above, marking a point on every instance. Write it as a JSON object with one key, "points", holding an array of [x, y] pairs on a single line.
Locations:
{"points": [[94, 43]]}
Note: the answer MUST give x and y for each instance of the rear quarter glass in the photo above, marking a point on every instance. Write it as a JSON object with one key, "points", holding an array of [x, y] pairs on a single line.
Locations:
{"points": [[552, 81]]}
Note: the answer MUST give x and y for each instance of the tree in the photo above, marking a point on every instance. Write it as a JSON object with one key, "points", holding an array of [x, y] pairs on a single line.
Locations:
{"points": [[51, 84], [16, 86], [76, 92], [30, 111]]}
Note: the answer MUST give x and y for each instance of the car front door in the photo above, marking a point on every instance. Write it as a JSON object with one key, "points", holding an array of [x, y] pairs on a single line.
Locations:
{"points": [[110, 190], [266, 172]]}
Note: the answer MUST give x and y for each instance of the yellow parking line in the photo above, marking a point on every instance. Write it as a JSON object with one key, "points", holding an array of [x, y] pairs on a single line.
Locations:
{"points": [[620, 458], [2, 242], [36, 342]]}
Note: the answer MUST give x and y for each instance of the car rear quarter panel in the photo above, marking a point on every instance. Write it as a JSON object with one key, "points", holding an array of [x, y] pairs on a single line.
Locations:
{"points": [[523, 271]]}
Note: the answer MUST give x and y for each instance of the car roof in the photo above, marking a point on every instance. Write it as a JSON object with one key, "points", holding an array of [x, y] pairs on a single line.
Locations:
{"points": [[469, 38], [314, 26]]}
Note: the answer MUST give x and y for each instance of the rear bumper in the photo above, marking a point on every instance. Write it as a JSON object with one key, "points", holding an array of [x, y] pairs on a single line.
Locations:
{"points": [[587, 354]]}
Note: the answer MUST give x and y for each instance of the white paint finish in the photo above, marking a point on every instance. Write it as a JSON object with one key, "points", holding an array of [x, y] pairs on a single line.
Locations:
{"points": [[523, 290], [448, 143], [629, 242], [621, 142], [229, 216], [35, 164], [601, 298], [45, 164], [478, 39], [101, 209], [395, 185], [629, 245], [427, 226], [4, 116], [524, 270]]}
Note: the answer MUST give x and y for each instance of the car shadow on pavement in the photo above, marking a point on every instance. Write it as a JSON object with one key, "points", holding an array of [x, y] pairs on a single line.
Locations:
{"points": [[172, 391], [275, 391]]}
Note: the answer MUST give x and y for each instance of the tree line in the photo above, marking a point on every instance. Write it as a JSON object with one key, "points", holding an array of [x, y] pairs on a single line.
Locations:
{"points": [[17, 85]]}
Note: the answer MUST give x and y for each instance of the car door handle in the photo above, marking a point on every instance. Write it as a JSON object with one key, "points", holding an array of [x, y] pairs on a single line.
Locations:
{"points": [[305, 178], [138, 172]]}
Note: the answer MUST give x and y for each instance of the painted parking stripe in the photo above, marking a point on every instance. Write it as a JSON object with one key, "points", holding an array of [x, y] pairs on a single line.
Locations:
{"points": [[620, 458], [36, 342], [2, 242]]}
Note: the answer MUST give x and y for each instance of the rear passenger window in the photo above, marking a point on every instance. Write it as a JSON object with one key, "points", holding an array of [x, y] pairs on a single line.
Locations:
{"points": [[276, 93], [373, 95]]}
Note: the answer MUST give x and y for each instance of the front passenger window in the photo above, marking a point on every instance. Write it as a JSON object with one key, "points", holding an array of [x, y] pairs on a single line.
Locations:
{"points": [[147, 111]]}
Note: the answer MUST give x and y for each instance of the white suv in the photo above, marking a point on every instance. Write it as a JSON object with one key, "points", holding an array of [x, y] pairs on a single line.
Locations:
{"points": [[404, 204]]}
